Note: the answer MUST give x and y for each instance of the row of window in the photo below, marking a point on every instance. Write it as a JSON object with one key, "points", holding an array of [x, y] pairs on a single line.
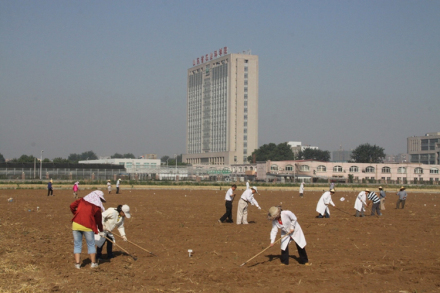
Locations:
{"points": [[355, 169]]}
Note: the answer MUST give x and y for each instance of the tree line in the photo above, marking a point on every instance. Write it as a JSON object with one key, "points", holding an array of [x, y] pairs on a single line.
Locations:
{"points": [[71, 159], [364, 153]]}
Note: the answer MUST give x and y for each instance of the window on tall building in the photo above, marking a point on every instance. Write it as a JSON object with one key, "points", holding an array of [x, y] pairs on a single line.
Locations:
{"points": [[337, 169], [418, 170], [354, 169], [401, 170], [433, 171], [386, 170]]}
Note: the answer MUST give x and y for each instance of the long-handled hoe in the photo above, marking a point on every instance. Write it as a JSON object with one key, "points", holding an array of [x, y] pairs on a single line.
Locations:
{"points": [[135, 258], [263, 250], [137, 245]]}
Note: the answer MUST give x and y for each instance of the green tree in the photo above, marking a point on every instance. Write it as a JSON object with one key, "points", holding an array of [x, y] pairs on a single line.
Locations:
{"points": [[2, 159], [129, 156], [164, 159], [366, 153], [272, 152], [25, 159], [90, 155], [117, 156], [124, 156], [60, 160], [317, 155]]}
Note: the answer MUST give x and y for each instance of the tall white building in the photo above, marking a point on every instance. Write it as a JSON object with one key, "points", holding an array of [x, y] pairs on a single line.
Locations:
{"points": [[222, 108]]}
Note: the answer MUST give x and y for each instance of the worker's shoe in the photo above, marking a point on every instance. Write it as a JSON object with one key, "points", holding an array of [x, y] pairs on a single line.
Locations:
{"points": [[94, 265], [219, 221], [307, 264], [77, 266]]}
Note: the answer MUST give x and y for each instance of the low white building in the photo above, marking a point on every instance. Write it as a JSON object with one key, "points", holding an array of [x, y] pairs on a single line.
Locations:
{"points": [[138, 164]]}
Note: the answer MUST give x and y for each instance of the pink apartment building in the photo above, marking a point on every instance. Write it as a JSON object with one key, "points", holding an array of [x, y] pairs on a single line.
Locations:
{"points": [[313, 171]]}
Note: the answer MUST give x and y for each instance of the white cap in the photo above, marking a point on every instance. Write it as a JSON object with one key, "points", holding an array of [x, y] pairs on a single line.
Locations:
{"points": [[126, 210], [254, 188]]}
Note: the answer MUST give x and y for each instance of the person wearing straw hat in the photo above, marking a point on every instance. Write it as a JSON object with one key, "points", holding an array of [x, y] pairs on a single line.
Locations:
{"points": [[109, 186], [75, 189], [242, 209], [324, 201], [361, 203], [288, 223], [112, 218], [50, 188], [372, 197], [402, 198], [382, 196], [86, 222]]}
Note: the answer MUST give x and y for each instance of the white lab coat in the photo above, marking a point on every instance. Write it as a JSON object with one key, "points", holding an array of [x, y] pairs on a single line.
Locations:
{"points": [[301, 188], [323, 202], [360, 202], [247, 185], [289, 222]]}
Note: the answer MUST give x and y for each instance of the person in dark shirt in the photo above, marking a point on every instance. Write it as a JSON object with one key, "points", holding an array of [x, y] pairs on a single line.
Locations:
{"points": [[49, 188]]}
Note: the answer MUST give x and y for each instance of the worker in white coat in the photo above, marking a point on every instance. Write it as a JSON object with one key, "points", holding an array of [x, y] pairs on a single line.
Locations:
{"points": [[287, 222], [301, 190], [361, 203], [242, 209], [112, 218], [247, 185], [324, 201]]}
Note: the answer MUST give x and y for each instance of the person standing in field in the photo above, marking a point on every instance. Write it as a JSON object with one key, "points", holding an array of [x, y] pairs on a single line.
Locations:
{"points": [[50, 188], [117, 185], [361, 203], [75, 189], [87, 220], [382, 196], [288, 223], [229, 198], [324, 201], [372, 197], [332, 186], [301, 190], [402, 198], [113, 218], [242, 209], [109, 186]]}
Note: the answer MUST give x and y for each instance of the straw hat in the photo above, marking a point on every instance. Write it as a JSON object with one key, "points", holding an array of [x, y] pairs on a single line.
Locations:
{"points": [[332, 190], [402, 187], [380, 187], [274, 212], [367, 190]]}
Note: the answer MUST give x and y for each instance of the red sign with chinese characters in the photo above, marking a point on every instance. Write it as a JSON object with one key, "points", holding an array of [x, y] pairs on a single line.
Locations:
{"points": [[210, 56]]}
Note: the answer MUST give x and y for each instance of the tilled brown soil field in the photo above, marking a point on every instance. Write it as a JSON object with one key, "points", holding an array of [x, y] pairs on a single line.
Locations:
{"points": [[398, 252]]}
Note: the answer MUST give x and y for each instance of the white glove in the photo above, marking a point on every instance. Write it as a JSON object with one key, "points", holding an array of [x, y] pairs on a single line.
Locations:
{"points": [[259, 208], [124, 237], [102, 234]]}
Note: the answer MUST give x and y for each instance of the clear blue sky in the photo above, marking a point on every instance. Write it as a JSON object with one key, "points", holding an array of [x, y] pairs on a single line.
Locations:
{"points": [[110, 76]]}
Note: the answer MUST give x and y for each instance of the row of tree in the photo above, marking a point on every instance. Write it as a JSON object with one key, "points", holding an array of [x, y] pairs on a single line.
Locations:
{"points": [[364, 153], [71, 159]]}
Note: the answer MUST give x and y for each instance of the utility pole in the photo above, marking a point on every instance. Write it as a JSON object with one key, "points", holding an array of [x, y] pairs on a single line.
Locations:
{"points": [[41, 164]]}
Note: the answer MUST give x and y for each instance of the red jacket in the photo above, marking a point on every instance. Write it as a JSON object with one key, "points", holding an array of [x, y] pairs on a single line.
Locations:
{"points": [[87, 214]]}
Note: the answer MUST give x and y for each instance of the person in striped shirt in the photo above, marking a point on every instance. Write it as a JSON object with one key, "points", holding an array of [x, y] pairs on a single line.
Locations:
{"points": [[372, 197]]}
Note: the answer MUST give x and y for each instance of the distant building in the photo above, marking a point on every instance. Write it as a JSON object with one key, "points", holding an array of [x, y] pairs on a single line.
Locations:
{"points": [[222, 109], [149, 156], [127, 163], [315, 171], [296, 147], [399, 158], [424, 149], [341, 155]]}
